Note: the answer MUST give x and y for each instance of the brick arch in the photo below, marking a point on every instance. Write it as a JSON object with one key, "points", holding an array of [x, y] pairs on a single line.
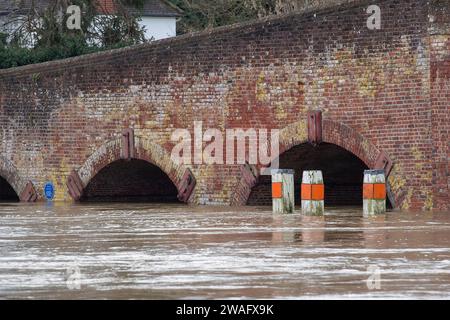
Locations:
{"points": [[24, 189], [333, 132], [144, 149]]}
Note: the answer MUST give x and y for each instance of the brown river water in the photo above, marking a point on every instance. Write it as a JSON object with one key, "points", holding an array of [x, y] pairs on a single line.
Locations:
{"points": [[144, 251]]}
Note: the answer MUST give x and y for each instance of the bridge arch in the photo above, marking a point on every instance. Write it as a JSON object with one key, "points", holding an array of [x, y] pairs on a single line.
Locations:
{"points": [[12, 186], [338, 140], [149, 161], [333, 132]]}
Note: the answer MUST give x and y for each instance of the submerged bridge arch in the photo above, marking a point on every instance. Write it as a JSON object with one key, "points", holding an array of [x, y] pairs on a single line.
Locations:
{"points": [[23, 188], [142, 149], [333, 133]]}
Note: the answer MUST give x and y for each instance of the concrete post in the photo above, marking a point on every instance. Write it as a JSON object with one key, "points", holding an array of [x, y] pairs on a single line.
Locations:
{"points": [[283, 196], [313, 193], [374, 192]]}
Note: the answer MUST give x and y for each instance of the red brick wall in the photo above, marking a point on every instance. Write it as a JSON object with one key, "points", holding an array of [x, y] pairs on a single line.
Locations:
{"points": [[440, 102], [264, 75]]}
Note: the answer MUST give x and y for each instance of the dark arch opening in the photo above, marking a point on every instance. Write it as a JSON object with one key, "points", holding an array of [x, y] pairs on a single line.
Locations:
{"points": [[131, 181], [343, 174], [7, 193]]}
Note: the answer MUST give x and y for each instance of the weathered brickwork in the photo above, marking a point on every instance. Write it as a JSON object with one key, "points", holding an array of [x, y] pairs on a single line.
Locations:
{"points": [[439, 17], [379, 91]]}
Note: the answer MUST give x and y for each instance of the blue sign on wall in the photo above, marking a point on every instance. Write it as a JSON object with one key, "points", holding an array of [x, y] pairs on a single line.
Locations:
{"points": [[49, 191]]}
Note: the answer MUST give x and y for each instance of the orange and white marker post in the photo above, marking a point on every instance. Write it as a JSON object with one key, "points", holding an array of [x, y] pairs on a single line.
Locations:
{"points": [[374, 192], [313, 193], [283, 196]]}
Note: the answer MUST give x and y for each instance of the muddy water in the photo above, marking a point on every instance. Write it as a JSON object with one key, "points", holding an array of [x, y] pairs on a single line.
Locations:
{"points": [[123, 251]]}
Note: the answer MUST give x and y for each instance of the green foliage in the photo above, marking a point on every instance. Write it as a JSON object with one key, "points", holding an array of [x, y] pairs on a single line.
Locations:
{"points": [[44, 36], [201, 14], [51, 39], [205, 14], [3, 37], [14, 55]]}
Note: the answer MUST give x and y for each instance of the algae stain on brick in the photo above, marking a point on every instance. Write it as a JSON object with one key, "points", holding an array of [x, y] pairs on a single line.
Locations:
{"points": [[429, 202]]}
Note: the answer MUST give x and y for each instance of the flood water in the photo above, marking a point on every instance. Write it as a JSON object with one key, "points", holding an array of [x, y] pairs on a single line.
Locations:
{"points": [[144, 251]]}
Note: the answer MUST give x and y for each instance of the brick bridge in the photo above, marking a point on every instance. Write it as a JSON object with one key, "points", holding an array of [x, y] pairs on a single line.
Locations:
{"points": [[99, 126]]}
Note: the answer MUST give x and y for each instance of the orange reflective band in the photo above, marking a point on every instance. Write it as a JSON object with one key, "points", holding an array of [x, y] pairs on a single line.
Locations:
{"points": [[277, 190], [318, 191], [306, 192], [313, 192], [368, 191], [379, 191], [375, 191]]}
